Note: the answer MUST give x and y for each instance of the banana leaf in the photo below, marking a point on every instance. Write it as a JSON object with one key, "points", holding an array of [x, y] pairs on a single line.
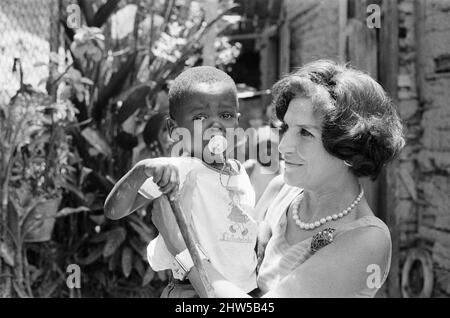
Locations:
{"points": [[114, 86], [127, 261], [115, 238]]}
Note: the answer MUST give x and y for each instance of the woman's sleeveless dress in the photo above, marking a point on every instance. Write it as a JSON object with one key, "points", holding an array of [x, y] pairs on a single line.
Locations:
{"points": [[281, 258]]}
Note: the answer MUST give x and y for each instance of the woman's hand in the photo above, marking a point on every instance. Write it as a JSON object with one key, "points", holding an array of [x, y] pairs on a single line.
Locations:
{"points": [[164, 220]]}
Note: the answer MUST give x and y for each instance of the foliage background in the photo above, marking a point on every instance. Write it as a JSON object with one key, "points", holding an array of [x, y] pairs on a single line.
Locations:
{"points": [[89, 90]]}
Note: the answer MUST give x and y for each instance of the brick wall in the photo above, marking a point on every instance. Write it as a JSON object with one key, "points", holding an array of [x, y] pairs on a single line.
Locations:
{"points": [[423, 187], [411, 114], [424, 209], [25, 34], [433, 159], [314, 27]]}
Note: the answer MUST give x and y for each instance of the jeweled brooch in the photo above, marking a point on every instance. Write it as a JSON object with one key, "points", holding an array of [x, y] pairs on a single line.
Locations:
{"points": [[321, 239]]}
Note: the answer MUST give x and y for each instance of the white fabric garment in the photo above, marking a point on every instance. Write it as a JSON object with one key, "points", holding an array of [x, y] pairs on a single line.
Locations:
{"points": [[222, 215]]}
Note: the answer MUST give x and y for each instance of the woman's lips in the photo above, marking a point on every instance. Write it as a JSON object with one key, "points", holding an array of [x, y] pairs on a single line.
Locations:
{"points": [[287, 163]]}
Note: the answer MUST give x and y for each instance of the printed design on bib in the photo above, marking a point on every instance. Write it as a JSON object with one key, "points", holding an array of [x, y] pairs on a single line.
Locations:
{"points": [[238, 231], [186, 193], [187, 189]]}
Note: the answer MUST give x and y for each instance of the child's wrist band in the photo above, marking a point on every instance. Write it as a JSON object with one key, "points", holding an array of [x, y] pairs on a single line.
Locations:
{"points": [[185, 262]]}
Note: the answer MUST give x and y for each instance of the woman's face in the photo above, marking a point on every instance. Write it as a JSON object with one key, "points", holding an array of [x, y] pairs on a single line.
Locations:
{"points": [[307, 164]]}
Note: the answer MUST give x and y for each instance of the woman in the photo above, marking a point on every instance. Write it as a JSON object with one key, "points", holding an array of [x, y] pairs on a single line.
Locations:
{"points": [[324, 239]]}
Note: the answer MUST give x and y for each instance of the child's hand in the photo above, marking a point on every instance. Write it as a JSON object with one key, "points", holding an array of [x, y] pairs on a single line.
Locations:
{"points": [[165, 175]]}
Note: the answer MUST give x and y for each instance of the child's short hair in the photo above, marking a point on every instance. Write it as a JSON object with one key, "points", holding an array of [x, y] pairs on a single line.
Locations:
{"points": [[181, 87]]}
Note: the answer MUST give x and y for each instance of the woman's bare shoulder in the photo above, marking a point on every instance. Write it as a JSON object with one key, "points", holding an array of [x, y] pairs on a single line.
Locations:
{"points": [[272, 190], [370, 244]]}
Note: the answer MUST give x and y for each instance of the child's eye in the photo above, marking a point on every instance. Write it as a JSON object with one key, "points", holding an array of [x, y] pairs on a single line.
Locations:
{"points": [[199, 117], [227, 115], [305, 133]]}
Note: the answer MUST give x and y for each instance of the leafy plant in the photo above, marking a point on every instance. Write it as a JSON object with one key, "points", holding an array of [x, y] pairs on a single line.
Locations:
{"points": [[44, 154], [106, 79], [125, 72], [35, 167]]}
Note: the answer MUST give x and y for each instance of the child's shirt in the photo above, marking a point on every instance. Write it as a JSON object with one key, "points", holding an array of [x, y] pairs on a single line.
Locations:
{"points": [[220, 207]]}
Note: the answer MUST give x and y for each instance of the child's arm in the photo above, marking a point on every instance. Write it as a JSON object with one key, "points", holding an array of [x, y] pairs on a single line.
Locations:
{"points": [[124, 198]]}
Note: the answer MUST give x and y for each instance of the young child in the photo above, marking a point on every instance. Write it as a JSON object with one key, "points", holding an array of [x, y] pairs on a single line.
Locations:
{"points": [[216, 197]]}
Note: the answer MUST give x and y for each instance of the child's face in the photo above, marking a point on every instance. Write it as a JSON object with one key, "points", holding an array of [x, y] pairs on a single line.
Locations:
{"points": [[214, 105]]}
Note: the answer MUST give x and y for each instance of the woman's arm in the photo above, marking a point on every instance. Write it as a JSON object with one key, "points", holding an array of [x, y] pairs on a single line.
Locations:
{"points": [[338, 270]]}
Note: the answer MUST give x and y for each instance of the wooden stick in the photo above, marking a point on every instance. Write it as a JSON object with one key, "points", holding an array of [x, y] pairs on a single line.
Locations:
{"points": [[190, 244]]}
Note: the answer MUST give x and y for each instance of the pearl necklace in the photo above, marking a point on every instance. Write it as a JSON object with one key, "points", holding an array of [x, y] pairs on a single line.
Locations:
{"points": [[333, 217]]}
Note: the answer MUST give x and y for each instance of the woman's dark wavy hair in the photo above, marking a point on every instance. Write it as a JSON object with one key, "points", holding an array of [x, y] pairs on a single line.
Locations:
{"points": [[360, 122]]}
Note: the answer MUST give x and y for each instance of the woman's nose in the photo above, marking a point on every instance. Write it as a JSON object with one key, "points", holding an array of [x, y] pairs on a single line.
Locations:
{"points": [[286, 145]]}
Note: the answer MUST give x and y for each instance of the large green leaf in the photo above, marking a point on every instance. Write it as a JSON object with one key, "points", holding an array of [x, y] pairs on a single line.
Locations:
{"points": [[7, 254], [113, 262], [139, 247], [144, 231], [145, 236], [98, 219], [148, 277], [91, 258], [96, 139], [115, 239], [113, 87], [127, 261], [99, 238], [139, 266], [69, 211], [132, 103], [101, 277]]}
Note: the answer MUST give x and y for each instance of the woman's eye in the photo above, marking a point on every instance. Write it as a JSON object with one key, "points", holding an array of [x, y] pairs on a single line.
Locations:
{"points": [[199, 117], [305, 133]]}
